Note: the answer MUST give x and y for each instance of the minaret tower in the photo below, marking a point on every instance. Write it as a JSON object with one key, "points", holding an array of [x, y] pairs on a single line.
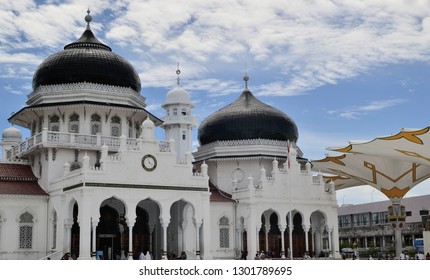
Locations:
{"points": [[178, 122]]}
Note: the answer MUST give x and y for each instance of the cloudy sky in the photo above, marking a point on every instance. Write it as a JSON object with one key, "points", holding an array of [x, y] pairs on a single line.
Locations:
{"points": [[343, 70]]}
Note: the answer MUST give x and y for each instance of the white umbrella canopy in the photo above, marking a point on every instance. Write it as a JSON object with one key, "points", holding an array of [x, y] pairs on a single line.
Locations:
{"points": [[391, 176], [392, 164], [411, 145], [341, 182]]}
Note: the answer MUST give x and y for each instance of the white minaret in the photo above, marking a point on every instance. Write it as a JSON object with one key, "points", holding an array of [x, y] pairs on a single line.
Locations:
{"points": [[178, 122], [11, 136]]}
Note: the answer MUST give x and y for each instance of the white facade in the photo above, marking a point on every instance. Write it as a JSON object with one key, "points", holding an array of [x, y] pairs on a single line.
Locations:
{"points": [[112, 190], [265, 189]]}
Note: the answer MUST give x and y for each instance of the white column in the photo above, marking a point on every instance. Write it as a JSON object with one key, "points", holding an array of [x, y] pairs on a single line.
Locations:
{"points": [[198, 225], [130, 239], [93, 247], [290, 233], [306, 241], [282, 242], [164, 225], [84, 237], [68, 236], [184, 239]]}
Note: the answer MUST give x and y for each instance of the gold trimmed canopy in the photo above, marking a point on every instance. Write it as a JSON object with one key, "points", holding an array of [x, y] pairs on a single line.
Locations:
{"points": [[393, 164]]}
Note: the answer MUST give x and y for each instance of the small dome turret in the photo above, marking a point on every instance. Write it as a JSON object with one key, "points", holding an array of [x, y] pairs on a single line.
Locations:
{"points": [[12, 133]]}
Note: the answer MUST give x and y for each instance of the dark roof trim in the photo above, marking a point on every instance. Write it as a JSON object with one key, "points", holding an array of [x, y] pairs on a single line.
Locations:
{"points": [[156, 120]]}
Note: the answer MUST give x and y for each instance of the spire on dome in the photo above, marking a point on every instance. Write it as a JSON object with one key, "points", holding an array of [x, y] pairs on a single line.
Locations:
{"points": [[246, 79], [88, 19], [178, 72]]}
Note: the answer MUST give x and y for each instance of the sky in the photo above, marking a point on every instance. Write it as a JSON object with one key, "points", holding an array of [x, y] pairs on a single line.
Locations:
{"points": [[342, 70]]}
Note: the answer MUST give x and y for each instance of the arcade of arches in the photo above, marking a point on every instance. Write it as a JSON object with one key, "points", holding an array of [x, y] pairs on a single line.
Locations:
{"points": [[113, 237], [305, 242]]}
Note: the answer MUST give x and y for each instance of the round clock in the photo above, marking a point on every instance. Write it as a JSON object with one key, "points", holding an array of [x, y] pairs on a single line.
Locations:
{"points": [[149, 162]]}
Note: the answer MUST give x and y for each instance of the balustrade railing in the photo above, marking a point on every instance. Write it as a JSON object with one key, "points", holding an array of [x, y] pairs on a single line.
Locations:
{"points": [[81, 140]]}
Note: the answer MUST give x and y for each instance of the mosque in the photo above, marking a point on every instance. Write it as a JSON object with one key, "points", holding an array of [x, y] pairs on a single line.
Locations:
{"points": [[92, 180]]}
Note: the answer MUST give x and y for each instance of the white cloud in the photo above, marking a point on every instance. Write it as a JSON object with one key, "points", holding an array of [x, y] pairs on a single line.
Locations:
{"points": [[302, 44], [356, 112]]}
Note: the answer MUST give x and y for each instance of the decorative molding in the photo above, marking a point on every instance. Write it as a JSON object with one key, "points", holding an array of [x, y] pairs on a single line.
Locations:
{"points": [[132, 186], [85, 86]]}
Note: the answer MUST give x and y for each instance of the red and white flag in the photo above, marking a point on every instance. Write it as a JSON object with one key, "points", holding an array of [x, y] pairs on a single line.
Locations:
{"points": [[288, 154]]}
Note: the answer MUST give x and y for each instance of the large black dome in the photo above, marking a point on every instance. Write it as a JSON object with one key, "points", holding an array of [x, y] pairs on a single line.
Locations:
{"points": [[247, 118], [87, 60]]}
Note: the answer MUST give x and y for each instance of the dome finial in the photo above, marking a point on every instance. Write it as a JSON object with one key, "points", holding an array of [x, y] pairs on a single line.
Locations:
{"points": [[246, 77], [178, 72], [88, 18]]}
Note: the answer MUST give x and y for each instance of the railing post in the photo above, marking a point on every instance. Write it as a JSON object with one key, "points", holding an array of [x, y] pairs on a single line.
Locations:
{"points": [[44, 135], [99, 139]]}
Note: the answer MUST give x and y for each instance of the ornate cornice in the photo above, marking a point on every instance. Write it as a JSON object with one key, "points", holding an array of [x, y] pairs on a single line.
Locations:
{"points": [[85, 86]]}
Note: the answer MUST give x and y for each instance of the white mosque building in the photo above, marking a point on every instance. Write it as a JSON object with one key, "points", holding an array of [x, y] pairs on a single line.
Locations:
{"points": [[93, 181]]}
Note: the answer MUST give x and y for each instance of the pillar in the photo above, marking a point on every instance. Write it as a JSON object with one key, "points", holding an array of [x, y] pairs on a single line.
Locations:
{"points": [[93, 229], [306, 241], [164, 225], [198, 225], [184, 239], [130, 239], [282, 228], [68, 244], [290, 233]]}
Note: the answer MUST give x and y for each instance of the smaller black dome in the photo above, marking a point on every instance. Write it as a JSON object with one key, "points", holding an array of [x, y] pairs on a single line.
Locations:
{"points": [[247, 118], [87, 60]]}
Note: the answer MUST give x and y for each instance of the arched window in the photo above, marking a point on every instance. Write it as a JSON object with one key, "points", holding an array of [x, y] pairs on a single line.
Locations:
{"points": [[74, 123], [175, 111], [26, 231], [54, 123], [115, 126], [184, 112], [96, 124], [184, 135], [224, 232]]}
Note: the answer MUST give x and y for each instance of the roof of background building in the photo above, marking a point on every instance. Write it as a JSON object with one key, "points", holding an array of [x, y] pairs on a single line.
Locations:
{"points": [[413, 204], [18, 179]]}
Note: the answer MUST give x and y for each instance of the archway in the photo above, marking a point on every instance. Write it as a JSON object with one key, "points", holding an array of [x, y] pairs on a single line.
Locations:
{"points": [[112, 231], [270, 235], [182, 232], [319, 235], [147, 229]]}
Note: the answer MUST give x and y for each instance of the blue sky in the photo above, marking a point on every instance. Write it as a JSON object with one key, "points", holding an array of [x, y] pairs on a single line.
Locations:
{"points": [[343, 70]]}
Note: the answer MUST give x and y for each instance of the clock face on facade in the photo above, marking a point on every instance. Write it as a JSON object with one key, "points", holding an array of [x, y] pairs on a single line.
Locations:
{"points": [[149, 162]]}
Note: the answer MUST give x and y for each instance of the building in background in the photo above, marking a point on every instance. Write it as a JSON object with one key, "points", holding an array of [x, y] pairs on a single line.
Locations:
{"points": [[367, 226]]}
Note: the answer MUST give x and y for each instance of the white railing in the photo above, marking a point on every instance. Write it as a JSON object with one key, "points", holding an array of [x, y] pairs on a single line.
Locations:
{"points": [[164, 146], [64, 139]]}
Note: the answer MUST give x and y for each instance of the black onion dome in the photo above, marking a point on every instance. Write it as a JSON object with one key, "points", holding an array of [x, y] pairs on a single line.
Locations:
{"points": [[87, 60], [247, 118]]}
